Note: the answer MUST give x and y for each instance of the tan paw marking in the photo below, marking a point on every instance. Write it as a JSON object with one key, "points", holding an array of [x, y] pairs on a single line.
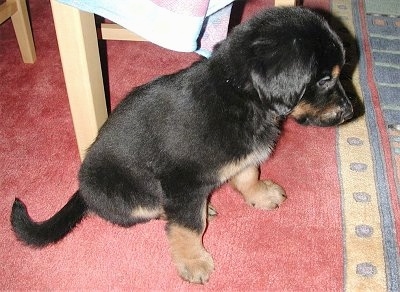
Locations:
{"points": [[266, 195], [193, 262], [195, 270]]}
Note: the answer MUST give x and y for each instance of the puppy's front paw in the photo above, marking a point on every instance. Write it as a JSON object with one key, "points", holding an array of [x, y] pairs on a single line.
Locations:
{"points": [[266, 195], [197, 269]]}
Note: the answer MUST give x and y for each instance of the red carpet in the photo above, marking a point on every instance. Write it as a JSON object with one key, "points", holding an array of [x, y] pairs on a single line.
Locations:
{"points": [[302, 246]]}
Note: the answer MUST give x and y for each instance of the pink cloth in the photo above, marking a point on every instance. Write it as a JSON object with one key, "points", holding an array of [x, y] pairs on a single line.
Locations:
{"points": [[179, 25]]}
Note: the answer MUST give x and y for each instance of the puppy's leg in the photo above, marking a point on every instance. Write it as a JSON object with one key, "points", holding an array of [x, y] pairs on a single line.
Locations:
{"points": [[193, 262], [262, 194], [123, 196], [187, 218]]}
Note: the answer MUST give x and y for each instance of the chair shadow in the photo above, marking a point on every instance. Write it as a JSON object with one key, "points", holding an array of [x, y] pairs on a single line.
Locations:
{"points": [[104, 64]]}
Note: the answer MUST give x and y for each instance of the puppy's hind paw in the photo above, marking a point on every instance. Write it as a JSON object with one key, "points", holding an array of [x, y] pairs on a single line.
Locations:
{"points": [[211, 212]]}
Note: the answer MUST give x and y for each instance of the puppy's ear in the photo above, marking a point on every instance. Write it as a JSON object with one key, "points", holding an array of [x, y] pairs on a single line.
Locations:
{"points": [[280, 72]]}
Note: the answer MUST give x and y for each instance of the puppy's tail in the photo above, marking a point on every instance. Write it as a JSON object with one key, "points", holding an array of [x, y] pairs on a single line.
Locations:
{"points": [[40, 234]]}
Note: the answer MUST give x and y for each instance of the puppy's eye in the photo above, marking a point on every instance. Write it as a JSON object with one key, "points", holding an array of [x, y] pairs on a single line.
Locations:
{"points": [[324, 80]]}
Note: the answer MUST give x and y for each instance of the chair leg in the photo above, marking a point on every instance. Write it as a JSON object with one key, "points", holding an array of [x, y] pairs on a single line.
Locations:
{"points": [[77, 42], [23, 31]]}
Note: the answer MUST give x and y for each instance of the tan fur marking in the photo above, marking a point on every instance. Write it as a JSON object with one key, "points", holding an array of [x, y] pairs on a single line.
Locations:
{"points": [[147, 213], [262, 194], [193, 262], [336, 71], [246, 180], [233, 168], [185, 242], [303, 108]]}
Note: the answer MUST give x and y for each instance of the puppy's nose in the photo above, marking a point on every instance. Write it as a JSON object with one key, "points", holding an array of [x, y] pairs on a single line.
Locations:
{"points": [[347, 110], [347, 115]]}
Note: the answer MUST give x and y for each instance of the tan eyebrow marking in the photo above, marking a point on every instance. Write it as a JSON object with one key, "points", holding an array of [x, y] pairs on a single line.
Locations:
{"points": [[336, 71]]}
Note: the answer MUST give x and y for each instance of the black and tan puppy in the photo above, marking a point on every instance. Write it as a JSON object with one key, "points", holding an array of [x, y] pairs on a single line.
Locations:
{"points": [[172, 141]]}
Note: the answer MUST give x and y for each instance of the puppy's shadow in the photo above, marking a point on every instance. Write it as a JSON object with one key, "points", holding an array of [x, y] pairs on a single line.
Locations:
{"points": [[352, 60]]}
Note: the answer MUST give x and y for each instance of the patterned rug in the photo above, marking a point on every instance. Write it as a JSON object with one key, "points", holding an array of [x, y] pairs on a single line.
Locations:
{"points": [[369, 148]]}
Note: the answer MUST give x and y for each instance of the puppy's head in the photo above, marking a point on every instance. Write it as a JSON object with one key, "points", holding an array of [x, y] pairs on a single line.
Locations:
{"points": [[294, 60], [324, 102]]}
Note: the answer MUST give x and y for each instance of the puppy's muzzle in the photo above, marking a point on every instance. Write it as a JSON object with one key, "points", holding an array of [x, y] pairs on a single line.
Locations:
{"points": [[346, 110]]}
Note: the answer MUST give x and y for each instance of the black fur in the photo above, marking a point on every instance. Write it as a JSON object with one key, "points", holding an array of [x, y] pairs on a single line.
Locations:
{"points": [[164, 145], [52, 230]]}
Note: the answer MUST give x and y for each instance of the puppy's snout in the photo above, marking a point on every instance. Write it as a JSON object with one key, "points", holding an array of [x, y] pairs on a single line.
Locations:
{"points": [[347, 115], [346, 109]]}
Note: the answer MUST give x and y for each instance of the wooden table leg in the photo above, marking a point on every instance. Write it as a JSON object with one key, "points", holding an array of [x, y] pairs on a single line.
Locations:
{"points": [[77, 42]]}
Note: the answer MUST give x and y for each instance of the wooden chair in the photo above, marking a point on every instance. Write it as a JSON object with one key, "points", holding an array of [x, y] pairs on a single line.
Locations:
{"points": [[77, 41], [285, 2], [17, 10]]}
